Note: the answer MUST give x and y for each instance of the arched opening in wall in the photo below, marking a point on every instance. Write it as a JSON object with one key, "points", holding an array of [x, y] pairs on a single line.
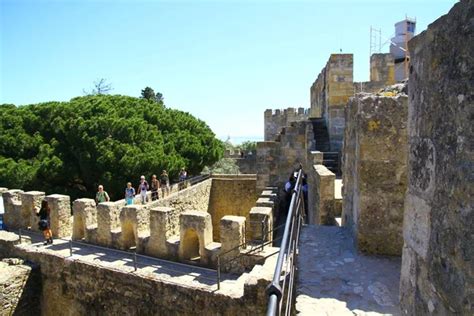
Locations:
{"points": [[128, 236], [191, 245]]}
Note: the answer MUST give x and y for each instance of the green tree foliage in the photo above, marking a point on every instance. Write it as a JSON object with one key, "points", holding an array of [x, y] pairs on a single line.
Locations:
{"points": [[71, 147], [249, 146], [150, 95], [223, 166]]}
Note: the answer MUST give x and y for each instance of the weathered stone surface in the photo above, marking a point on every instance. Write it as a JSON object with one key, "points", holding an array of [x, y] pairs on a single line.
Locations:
{"points": [[375, 171], [232, 232], [437, 264], [30, 203], [61, 219], [12, 207], [195, 197], [104, 283], [160, 231], [195, 235], [275, 120], [230, 195], [108, 219], [261, 223], [84, 217], [321, 196], [20, 288], [335, 279], [134, 223]]}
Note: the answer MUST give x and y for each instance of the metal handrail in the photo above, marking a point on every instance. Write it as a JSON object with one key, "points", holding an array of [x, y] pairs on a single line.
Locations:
{"points": [[276, 290], [127, 253]]}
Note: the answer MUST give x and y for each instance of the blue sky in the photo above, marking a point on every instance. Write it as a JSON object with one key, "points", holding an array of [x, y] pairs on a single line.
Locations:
{"points": [[223, 61]]}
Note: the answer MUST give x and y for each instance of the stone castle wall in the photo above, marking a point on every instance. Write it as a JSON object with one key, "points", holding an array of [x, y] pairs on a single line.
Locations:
{"points": [[20, 288], [231, 196], [374, 171], [437, 275], [275, 120], [78, 286], [277, 159], [330, 93], [185, 225]]}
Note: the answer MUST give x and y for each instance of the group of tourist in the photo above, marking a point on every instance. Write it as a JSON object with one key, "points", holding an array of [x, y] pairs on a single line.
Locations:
{"points": [[143, 187]]}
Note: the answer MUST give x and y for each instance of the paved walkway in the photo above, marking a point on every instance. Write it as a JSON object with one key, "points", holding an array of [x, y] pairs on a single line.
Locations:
{"points": [[191, 276], [333, 279]]}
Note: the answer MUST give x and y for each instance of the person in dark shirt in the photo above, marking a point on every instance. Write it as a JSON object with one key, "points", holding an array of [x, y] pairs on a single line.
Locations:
{"points": [[44, 223], [165, 183]]}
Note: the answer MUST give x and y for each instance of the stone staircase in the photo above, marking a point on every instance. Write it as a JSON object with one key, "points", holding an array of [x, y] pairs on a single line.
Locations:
{"points": [[321, 137], [321, 134]]}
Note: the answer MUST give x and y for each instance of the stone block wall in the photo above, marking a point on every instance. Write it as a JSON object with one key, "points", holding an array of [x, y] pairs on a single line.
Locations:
{"points": [[275, 120], [321, 196], [437, 264], [382, 69], [330, 93], [78, 286], [84, 217], [231, 196], [30, 203], [374, 171], [12, 217], [276, 160], [20, 288]]}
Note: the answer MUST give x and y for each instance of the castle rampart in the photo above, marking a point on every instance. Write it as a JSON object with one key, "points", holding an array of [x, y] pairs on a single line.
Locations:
{"points": [[179, 227], [275, 120]]}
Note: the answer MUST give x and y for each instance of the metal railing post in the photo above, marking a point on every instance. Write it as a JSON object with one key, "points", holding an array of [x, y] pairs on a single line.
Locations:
{"points": [[135, 260], [70, 247], [218, 272], [19, 234]]}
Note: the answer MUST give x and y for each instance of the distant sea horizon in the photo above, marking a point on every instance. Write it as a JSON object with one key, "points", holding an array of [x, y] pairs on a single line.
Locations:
{"points": [[237, 140]]}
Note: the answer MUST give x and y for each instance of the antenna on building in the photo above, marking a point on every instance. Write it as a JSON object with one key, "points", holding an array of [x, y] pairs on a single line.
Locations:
{"points": [[375, 40]]}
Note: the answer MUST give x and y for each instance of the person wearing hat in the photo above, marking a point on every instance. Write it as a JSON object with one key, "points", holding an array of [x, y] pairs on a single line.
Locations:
{"points": [[142, 189], [165, 183]]}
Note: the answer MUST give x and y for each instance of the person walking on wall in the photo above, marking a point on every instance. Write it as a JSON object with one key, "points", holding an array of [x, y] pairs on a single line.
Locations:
{"points": [[154, 186], [44, 223], [129, 193], [101, 195], [165, 183], [142, 189], [182, 178]]}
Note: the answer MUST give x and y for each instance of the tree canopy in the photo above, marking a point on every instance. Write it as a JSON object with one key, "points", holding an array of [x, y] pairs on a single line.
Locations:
{"points": [[71, 147]]}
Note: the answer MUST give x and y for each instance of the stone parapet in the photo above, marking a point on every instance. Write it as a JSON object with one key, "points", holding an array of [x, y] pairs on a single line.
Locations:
{"points": [[108, 219], [375, 171], [60, 216], [261, 223], [12, 218], [195, 235], [84, 217], [134, 227], [30, 204], [160, 231], [232, 236], [321, 196]]}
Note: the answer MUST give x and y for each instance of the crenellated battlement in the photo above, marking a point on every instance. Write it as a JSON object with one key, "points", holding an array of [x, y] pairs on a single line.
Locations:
{"points": [[178, 227], [276, 119]]}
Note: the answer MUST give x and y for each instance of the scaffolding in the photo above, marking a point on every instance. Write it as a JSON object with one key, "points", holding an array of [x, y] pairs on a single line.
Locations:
{"points": [[375, 40]]}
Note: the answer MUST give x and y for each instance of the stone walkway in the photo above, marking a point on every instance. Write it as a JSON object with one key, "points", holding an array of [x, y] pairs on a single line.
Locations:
{"points": [[191, 276], [333, 279]]}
